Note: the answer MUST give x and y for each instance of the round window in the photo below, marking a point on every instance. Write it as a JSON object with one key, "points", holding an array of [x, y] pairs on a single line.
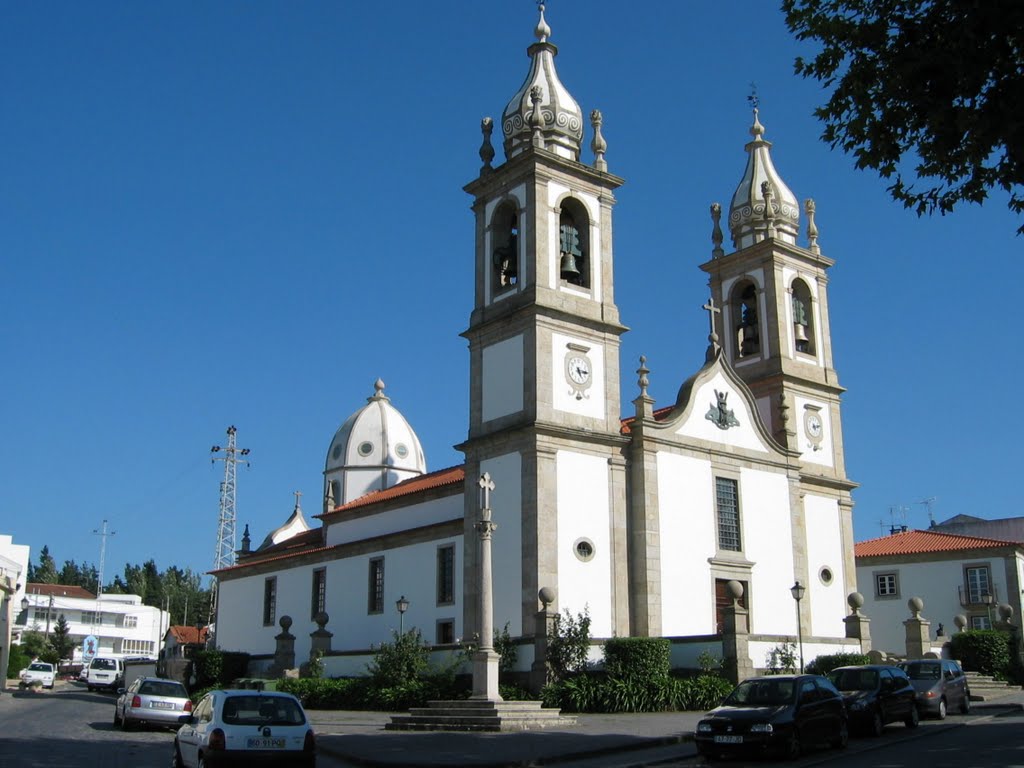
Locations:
{"points": [[401, 450], [336, 453], [365, 449], [584, 549], [825, 574]]}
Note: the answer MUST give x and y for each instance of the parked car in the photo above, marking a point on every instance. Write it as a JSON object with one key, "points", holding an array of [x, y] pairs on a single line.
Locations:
{"points": [[39, 672], [105, 672], [246, 728], [781, 714], [153, 701], [876, 695], [940, 684]]}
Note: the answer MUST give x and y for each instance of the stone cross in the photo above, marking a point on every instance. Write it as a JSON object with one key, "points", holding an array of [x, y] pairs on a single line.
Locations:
{"points": [[485, 660], [712, 309], [298, 497]]}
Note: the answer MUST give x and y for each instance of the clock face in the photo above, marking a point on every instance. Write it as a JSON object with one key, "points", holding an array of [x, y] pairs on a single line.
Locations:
{"points": [[812, 423], [578, 369]]}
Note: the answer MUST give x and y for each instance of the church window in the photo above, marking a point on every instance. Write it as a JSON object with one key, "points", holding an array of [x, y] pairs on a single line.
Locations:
{"points": [[365, 449], [803, 318], [826, 575], [723, 601], [505, 256], [746, 320], [269, 601], [401, 450], [584, 549], [446, 575], [446, 632], [728, 507], [375, 604], [573, 244], [887, 585], [319, 595]]}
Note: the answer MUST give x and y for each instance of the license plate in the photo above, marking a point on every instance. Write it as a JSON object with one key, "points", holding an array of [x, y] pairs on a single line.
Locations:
{"points": [[728, 739], [260, 742], [161, 705]]}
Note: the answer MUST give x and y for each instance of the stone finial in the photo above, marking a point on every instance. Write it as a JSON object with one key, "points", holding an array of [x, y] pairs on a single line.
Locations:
{"points": [[643, 402], [598, 145], [916, 605], [812, 228], [546, 595], [734, 591], [246, 540], [960, 621], [536, 118], [769, 213], [285, 622], [321, 619], [642, 372], [486, 149], [856, 601], [717, 251]]}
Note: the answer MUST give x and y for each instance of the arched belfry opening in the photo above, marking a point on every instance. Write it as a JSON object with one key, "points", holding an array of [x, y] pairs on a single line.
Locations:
{"points": [[505, 252], [803, 318], [746, 319], [574, 244]]}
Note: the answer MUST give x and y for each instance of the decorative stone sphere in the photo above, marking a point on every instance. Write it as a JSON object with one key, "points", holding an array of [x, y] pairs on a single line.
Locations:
{"points": [[916, 605], [285, 622], [546, 596], [1005, 611], [321, 619], [961, 621], [855, 600], [733, 589]]}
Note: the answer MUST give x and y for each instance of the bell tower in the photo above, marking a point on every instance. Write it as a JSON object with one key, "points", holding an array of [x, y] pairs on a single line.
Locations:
{"points": [[544, 334]]}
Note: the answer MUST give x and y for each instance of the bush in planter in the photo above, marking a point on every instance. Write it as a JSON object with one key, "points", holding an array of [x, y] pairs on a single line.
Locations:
{"points": [[983, 650], [822, 665], [637, 658]]}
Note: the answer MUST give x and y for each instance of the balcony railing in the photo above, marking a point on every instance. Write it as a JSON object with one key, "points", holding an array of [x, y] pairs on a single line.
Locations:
{"points": [[976, 598]]}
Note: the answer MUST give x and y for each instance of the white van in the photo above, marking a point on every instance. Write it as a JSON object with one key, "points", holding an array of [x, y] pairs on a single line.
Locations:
{"points": [[105, 672]]}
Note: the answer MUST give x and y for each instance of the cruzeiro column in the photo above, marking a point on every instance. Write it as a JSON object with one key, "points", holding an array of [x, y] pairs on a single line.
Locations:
{"points": [[485, 660]]}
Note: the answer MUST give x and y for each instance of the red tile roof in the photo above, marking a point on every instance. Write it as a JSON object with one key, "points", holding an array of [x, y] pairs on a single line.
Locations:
{"points": [[659, 415], [437, 479], [59, 590], [186, 635], [923, 542]]}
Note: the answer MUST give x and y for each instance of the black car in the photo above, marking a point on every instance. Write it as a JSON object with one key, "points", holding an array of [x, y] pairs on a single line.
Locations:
{"points": [[779, 714], [875, 695]]}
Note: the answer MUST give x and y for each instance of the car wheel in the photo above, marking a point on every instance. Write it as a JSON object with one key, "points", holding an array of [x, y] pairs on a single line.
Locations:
{"points": [[965, 704], [914, 717], [178, 762], [792, 747], [941, 714], [842, 738], [876, 726]]}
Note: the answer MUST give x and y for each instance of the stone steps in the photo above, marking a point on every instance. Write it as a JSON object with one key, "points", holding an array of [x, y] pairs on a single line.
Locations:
{"points": [[985, 688], [477, 715]]}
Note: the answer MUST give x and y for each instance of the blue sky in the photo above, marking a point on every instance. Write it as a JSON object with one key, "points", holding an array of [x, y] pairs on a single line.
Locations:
{"points": [[245, 212]]}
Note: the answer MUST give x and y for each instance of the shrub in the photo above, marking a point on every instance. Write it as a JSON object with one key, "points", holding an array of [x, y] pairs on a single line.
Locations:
{"points": [[822, 665], [17, 661], [507, 650], [569, 644], [637, 658], [396, 663], [699, 693], [782, 659], [983, 650], [213, 669]]}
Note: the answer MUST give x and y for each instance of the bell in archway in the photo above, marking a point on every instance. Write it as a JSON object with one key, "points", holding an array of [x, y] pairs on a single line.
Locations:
{"points": [[801, 332], [569, 269]]}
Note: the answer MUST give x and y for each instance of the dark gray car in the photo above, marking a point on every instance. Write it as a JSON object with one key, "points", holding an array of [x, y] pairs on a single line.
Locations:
{"points": [[940, 685]]}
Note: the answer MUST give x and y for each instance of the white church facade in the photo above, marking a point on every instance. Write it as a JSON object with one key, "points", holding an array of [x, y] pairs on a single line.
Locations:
{"points": [[639, 517]]}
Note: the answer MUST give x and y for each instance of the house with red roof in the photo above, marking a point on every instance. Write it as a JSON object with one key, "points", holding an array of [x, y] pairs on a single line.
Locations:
{"points": [[955, 575]]}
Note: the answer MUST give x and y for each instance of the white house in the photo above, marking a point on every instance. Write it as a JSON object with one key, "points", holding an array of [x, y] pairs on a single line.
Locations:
{"points": [[953, 574], [13, 567], [639, 516]]}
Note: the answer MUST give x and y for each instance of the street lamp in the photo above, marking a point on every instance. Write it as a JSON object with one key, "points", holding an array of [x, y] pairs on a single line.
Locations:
{"points": [[797, 591], [402, 605], [988, 598]]}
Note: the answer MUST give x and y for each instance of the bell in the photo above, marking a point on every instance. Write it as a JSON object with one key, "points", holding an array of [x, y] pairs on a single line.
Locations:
{"points": [[568, 267], [801, 332]]}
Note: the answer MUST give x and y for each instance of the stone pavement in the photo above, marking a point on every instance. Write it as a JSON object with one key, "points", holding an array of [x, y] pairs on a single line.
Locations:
{"points": [[359, 738]]}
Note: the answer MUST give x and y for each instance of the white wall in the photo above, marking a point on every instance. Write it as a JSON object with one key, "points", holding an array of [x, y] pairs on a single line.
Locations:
{"points": [[395, 520], [825, 550], [768, 542], [502, 383]]}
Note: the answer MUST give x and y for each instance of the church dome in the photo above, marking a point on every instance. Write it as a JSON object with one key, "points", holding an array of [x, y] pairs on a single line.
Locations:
{"points": [[747, 220], [561, 118], [374, 449]]}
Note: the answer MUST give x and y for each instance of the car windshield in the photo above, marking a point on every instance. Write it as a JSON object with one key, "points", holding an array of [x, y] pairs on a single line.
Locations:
{"points": [[103, 664], [40, 667], [163, 688], [854, 679], [262, 710], [761, 693], [918, 671]]}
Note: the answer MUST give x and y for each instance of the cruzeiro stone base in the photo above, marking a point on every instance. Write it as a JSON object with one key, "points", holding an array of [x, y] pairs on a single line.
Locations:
{"points": [[479, 715]]}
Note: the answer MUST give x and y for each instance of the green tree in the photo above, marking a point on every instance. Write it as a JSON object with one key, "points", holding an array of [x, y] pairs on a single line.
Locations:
{"points": [[569, 644], [925, 92], [33, 642], [46, 571], [60, 639]]}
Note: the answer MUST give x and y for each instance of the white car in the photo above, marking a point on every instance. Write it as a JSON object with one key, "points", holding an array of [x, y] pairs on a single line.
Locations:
{"points": [[37, 672], [245, 728]]}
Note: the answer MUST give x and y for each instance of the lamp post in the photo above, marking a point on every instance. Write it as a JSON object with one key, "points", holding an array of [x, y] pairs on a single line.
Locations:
{"points": [[797, 591], [987, 598], [402, 605]]}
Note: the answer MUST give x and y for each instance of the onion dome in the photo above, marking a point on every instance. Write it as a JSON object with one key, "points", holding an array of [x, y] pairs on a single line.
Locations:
{"points": [[293, 526], [374, 449], [560, 121], [761, 183]]}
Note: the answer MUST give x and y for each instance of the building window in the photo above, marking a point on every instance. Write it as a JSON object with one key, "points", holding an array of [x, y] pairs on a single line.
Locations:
{"points": [[584, 550], [375, 604], [131, 622], [446, 632], [887, 585], [91, 617], [981, 622], [319, 596], [144, 647], [269, 601], [728, 504], [446, 575], [978, 583]]}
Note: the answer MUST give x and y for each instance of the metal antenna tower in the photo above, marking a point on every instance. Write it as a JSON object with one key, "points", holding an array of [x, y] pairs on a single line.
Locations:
{"points": [[225, 554], [928, 503], [103, 533]]}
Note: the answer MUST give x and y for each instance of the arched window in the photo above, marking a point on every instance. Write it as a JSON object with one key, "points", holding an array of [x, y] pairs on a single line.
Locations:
{"points": [[574, 244], [803, 318], [746, 319], [505, 257]]}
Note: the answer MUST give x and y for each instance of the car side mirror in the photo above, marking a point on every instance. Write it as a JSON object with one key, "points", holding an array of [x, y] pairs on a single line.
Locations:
{"points": [[120, 691]]}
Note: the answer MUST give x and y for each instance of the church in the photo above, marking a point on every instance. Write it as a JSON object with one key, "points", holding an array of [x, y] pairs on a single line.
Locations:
{"points": [[637, 516]]}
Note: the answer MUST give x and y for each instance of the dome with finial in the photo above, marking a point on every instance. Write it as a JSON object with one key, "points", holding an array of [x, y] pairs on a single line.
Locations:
{"points": [[293, 526], [761, 184], [374, 449], [560, 120]]}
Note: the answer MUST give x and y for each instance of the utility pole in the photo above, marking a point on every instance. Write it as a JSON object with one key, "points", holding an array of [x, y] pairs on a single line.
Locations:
{"points": [[103, 533], [225, 553]]}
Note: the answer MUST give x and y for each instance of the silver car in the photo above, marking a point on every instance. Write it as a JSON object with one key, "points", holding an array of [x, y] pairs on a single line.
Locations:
{"points": [[153, 701], [940, 685]]}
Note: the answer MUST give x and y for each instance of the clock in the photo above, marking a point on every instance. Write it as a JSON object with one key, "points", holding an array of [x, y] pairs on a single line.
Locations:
{"points": [[578, 371], [813, 426]]}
